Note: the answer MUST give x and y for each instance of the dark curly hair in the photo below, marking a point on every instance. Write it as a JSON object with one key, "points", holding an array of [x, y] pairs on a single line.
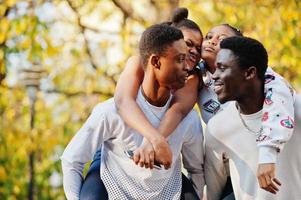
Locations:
{"points": [[236, 31], [156, 39], [249, 52], [179, 20]]}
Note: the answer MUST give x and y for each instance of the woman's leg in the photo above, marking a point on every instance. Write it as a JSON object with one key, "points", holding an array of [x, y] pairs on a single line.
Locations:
{"points": [[93, 187], [188, 192]]}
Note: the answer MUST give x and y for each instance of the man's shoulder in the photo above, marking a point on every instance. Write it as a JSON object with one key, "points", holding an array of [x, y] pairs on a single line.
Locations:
{"points": [[191, 124], [223, 118], [191, 117], [106, 108]]}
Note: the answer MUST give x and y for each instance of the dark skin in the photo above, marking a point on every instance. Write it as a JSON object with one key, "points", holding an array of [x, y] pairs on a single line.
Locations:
{"points": [[234, 83], [155, 146]]}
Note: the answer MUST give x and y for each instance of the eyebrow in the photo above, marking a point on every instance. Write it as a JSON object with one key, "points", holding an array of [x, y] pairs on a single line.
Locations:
{"points": [[194, 43], [223, 34], [180, 55]]}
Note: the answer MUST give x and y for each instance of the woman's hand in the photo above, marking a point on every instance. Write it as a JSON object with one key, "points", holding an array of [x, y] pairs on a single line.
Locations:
{"points": [[158, 151]]}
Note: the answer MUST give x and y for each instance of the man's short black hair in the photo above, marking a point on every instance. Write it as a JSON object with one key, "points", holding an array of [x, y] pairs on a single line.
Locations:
{"points": [[156, 39], [249, 52]]}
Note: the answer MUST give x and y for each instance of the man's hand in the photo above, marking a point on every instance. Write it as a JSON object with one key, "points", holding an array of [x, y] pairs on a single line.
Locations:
{"points": [[158, 151], [266, 177]]}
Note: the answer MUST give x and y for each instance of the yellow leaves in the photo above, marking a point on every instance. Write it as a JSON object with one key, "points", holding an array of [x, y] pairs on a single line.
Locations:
{"points": [[10, 114], [104, 44], [2, 67], [4, 25], [3, 8], [1, 55], [286, 41], [10, 3], [21, 26], [25, 44], [2, 64], [51, 51], [17, 189], [89, 86], [2, 174]]}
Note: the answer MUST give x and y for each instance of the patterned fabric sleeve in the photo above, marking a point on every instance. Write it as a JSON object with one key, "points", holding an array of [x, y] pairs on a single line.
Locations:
{"points": [[278, 117]]}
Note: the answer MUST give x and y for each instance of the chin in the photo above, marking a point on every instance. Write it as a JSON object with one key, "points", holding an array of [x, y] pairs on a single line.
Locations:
{"points": [[179, 86], [191, 65], [208, 57], [222, 99]]}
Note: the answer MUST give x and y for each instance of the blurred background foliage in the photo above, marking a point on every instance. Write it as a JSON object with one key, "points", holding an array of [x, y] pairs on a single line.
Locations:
{"points": [[81, 47]]}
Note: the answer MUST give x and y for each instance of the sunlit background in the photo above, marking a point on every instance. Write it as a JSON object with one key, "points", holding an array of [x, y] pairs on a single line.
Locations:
{"points": [[60, 58]]}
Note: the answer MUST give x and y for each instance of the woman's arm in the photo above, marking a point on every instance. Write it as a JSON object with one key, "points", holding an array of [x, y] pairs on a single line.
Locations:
{"points": [[125, 99], [182, 103], [277, 124]]}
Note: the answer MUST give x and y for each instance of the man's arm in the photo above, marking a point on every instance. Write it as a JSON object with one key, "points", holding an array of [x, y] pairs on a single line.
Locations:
{"points": [[192, 152], [81, 149]]}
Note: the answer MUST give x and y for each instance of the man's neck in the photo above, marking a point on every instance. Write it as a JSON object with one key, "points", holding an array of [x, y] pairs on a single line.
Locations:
{"points": [[154, 94], [252, 102]]}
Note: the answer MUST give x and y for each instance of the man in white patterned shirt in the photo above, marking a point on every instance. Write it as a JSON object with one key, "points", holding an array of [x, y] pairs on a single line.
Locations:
{"points": [[163, 51], [239, 79]]}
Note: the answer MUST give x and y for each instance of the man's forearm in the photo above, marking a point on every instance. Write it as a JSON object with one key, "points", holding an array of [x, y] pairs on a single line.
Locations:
{"points": [[72, 180]]}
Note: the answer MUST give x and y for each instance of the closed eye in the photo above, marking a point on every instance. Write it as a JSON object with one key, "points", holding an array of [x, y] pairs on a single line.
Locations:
{"points": [[208, 37]]}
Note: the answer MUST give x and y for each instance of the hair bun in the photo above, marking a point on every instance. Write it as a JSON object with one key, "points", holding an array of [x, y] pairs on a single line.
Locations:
{"points": [[179, 14]]}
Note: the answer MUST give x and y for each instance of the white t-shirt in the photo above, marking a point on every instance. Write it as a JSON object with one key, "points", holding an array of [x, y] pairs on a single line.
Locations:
{"points": [[278, 104], [226, 134], [122, 178]]}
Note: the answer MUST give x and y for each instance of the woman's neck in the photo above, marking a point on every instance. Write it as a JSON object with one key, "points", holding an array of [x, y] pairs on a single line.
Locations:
{"points": [[210, 66]]}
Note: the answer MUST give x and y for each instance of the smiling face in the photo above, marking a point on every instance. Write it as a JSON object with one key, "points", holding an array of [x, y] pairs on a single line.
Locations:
{"points": [[229, 77], [193, 39], [172, 70], [211, 43]]}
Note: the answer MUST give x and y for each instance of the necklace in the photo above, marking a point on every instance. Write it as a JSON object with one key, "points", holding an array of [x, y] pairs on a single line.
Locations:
{"points": [[259, 132]]}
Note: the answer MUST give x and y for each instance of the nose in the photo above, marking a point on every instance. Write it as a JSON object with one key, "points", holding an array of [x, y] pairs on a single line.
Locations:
{"points": [[215, 75], [185, 68], [213, 41], [193, 50]]}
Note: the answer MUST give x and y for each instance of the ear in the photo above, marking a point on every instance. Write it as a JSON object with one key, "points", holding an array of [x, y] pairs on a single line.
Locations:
{"points": [[250, 73], [155, 61]]}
